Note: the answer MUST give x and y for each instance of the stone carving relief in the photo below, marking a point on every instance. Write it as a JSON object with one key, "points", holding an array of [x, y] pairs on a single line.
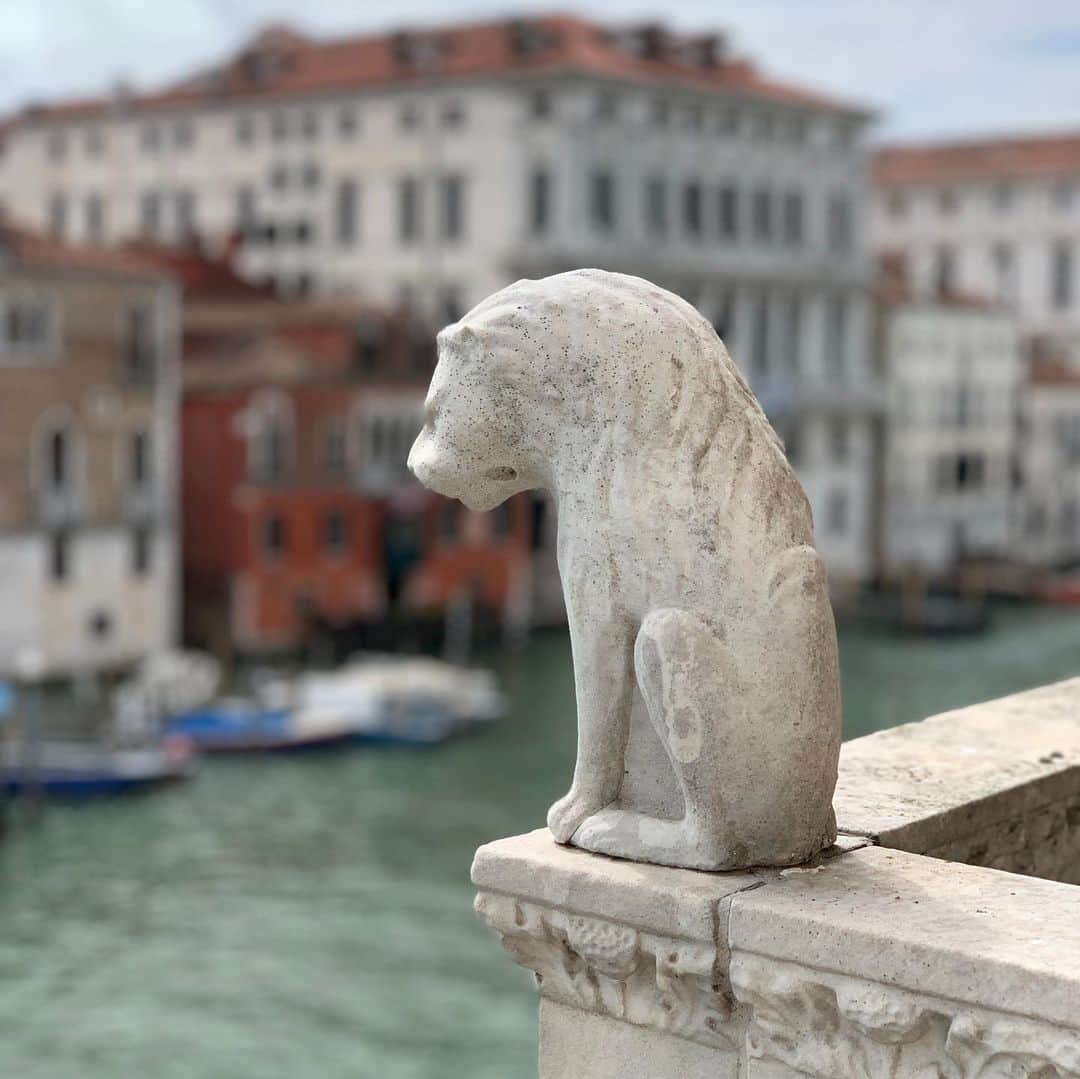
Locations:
{"points": [[615, 970], [704, 647], [824, 1025]]}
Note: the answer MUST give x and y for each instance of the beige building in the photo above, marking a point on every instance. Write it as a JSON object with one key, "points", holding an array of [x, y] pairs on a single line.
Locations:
{"points": [[88, 403]]}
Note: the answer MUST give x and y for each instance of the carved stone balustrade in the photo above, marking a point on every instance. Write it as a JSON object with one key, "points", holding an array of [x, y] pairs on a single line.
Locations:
{"points": [[899, 953]]}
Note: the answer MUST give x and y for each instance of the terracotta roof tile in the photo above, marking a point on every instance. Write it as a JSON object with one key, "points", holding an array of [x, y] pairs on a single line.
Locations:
{"points": [[280, 63], [39, 251], [989, 159]]}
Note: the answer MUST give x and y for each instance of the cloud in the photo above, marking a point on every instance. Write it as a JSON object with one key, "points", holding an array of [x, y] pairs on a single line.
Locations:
{"points": [[931, 68]]}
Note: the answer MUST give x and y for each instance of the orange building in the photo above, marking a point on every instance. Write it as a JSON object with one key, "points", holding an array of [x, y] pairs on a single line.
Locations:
{"points": [[298, 511]]}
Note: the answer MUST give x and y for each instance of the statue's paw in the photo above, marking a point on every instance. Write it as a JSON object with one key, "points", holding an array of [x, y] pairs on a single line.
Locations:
{"points": [[566, 815]]}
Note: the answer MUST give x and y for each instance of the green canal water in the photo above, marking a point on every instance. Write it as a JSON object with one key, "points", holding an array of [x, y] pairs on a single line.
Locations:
{"points": [[311, 917]]}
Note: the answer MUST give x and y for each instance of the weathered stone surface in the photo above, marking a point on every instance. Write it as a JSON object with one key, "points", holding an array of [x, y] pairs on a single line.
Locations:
{"points": [[579, 1045], [988, 939], [995, 784], [704, 647]]}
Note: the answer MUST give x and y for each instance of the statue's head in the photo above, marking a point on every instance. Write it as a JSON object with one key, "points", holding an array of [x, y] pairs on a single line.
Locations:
{"points": [[554, 368], [473, 445]]}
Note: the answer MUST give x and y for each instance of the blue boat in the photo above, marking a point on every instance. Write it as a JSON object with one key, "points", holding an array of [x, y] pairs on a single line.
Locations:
{"points": [[236, 725], [82, 770]]}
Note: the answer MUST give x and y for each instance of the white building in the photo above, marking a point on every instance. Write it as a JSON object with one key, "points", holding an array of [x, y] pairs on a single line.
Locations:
{"points": [[996, 218], [432, 167], [88, 565], [1049, 520], [954, 372]]}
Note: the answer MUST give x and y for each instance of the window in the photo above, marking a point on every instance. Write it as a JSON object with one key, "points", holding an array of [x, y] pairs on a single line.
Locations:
{"points": [[453, 114], [451, 309], [793, 315], [1002, 197], [409, 116], [335, 533], [246, 210], [836, 335], [764, 125], [56, 145], [309, 124], [346, 212], [793, 219], [183, 133], [139, 464], [59, 556], [58, 472], [273, 537], [761, 209], [279, 126], [245, 128], [838, 440], [692, 210], [95, 217], [270, 446], [959, 472], [605, 107], [722, 315], [656, 205], [58, 215], [24, 326], [661, 112], [759, 347], [335, 454], [694, 116], [140, 351], [409, 224], [1061, 274], [727, 121], [185, 214], [279, 177], [836, 513], [1062, 195], [897, 205], [150, 138], [447, 525], [502, 521], [602, 200], [452, 203], [141, 550], [944, 269], [367, 347], [841, 237], [1002, 258], [947, 201], [150, 213], [728, 215], [94, 142], [347, 121], [539, 201], [311, 175], [541, 105]]}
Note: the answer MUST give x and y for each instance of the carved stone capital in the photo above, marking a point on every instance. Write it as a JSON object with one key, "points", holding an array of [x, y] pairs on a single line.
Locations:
{"points": [[601, 966], [825, 1025]]}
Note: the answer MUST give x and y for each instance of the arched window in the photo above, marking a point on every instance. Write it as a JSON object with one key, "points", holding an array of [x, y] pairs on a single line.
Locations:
{"points": [[58, 459], [270, 445]]}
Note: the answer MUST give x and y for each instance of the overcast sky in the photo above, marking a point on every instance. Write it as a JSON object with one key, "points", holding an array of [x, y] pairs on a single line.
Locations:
{"points": [[932, 67]]}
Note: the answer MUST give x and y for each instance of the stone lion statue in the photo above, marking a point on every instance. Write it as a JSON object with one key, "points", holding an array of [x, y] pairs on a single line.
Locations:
{"points": [[704, 646]]}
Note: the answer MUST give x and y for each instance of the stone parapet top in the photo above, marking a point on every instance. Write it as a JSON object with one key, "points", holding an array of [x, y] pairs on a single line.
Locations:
{"points": [[923, 785], [978, 936]]}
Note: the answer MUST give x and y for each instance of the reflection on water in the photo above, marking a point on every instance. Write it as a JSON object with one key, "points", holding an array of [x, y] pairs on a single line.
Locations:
{"points": [[312, 916]]}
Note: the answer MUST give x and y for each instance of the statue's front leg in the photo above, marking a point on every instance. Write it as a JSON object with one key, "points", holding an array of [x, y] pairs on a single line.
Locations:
{"points": [[603, 649]]}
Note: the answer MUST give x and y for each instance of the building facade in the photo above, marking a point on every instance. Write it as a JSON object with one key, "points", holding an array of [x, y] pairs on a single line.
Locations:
{"points": [[955, 373], [299, 512], [1048, 529], [88, 397], [994, 218], [428, 168]]}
